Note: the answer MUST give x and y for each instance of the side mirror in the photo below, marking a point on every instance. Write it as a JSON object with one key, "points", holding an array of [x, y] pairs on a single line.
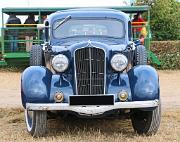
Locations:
{"points": [[131, 45], [137, 42]]}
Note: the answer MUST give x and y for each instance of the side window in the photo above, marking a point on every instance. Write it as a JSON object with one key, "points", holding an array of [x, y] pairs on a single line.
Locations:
{"points": [[129, 31]]}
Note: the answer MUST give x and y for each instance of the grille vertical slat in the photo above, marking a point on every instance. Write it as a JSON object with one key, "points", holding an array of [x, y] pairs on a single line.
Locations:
{"points": [[90, 68]]}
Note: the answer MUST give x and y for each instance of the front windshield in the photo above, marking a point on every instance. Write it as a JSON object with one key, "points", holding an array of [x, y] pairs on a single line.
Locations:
{"points": [[89, 27]]}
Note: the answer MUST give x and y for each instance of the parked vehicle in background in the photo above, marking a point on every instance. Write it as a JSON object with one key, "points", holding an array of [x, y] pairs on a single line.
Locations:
{"points": [[21, 56], [89, 66]]}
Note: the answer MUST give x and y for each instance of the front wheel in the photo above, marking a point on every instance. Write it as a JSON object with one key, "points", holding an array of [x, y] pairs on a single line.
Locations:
{"points": [[36, 122], [146, 122]]}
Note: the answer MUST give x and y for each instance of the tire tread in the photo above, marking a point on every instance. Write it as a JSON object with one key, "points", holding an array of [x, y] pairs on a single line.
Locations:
{"points": [[140, 55], [152, 124], [36, 56]]}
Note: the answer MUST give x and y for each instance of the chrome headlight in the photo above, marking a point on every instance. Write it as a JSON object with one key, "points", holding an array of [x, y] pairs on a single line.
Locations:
{"points": [[119, 62], [60, 63]]}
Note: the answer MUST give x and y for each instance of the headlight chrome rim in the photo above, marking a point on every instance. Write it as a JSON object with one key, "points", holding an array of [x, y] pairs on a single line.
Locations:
{"points": [[119, 58], [62, 60]]}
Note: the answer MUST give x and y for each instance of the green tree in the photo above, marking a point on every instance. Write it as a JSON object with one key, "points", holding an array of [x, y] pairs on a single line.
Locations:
{"points": [[165, 18]]}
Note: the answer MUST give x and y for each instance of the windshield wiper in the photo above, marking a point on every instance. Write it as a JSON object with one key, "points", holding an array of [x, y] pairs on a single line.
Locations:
{"points": [[63, 21]]}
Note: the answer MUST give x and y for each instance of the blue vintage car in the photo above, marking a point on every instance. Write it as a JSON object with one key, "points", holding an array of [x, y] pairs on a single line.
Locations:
{"points": [[88, 66]]}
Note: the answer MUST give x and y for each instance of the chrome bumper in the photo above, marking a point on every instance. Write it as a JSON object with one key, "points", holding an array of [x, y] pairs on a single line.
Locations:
{"points": [[92, 110]]}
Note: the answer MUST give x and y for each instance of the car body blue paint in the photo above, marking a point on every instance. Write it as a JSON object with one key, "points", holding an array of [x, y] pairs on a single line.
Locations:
{"points": [[60, 84], [38, 84], [119, 82], [144, 83], [109, 52]]}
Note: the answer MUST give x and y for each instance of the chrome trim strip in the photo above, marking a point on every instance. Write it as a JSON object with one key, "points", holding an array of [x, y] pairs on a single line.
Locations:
{"points": [[90, 68], [92, 110]]}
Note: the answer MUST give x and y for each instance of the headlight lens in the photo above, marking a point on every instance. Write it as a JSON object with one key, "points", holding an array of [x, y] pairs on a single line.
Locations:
{"points": [[119, 62], [60, 63]]}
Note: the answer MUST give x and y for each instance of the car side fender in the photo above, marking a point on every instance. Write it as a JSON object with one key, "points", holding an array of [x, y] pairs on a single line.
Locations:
{"points": [[35, 85], [144, 83]]}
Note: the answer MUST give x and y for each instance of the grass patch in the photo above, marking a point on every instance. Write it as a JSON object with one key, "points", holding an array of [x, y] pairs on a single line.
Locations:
{"points": [[13, 128]]}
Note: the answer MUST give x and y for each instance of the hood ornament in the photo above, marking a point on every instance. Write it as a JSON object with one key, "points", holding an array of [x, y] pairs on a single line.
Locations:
{"points": [[89, 43]]}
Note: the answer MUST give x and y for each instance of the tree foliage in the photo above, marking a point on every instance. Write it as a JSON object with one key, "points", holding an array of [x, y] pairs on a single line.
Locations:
{"points": [[165, 19]]}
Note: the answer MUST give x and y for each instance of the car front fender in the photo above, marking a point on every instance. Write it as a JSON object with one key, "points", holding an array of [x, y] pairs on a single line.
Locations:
{"points": [[39, 85], [35, 85], [144, 83]]}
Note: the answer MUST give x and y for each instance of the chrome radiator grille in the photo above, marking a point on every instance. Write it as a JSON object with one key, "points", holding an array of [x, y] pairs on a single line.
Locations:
{"points": [[90, 70]]}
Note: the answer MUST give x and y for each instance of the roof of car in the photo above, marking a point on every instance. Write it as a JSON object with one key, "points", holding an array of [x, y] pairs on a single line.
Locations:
{"points": [[89, 9], [89, 13]]}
